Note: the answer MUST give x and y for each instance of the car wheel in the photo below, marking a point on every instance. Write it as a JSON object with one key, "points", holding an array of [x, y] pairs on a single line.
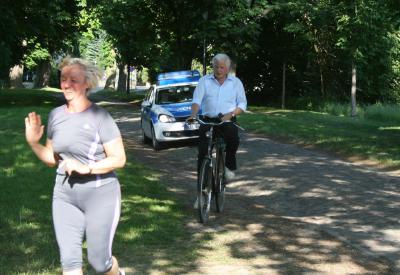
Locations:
{"points": [[156, 144]]}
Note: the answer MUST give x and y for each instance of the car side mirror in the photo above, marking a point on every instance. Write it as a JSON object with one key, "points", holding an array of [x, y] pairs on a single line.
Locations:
{"points": [[146, 103]]}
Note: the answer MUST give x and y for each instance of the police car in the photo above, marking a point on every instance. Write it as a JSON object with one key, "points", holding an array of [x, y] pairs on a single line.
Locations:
{"points": [[166, 107]]}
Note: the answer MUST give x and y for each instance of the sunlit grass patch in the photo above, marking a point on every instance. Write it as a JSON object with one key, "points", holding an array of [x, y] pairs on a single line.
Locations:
{"points": [[29, 97], [378, 112], [51, 89], [117, 95], [360, 137], [389, 128]]}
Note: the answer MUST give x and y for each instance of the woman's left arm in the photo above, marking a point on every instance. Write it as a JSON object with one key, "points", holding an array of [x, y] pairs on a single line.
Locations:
{"points": [[115, 158]]}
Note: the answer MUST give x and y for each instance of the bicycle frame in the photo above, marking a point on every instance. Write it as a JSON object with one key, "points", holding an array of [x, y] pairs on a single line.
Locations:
{"points": [[211, 176], [211, 182], [216, 141]]}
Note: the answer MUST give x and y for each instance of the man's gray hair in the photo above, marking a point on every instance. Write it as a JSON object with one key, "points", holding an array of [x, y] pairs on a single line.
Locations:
{"points": [[221, 57], [92, 72]]}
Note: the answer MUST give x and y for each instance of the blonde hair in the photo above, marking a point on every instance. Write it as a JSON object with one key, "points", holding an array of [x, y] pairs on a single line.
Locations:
{"points": [[92, 72]]}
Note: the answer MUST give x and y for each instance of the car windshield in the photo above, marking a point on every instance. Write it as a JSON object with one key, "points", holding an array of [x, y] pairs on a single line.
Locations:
{"points": [[175, 94]]}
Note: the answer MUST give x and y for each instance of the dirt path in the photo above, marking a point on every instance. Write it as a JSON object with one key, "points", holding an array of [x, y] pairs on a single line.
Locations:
{"points": [[291, 211]]}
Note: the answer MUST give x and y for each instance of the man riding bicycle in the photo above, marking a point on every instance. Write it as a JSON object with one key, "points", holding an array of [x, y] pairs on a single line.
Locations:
{"points": [[215, 94]]}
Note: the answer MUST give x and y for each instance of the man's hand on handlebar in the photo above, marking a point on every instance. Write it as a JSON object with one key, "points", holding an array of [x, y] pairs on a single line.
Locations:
{"points": [[191, 119], [225, 117], [222, 117]]}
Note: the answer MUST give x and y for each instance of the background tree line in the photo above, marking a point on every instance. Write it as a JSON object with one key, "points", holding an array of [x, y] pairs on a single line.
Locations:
{"points": [[288, 53]]}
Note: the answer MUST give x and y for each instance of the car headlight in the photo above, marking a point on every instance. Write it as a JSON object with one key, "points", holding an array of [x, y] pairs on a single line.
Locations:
{"points": [[166, 118]]}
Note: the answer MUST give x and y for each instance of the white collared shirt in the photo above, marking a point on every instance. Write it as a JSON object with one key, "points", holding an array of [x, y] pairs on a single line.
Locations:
{"points": [[214, 98]]}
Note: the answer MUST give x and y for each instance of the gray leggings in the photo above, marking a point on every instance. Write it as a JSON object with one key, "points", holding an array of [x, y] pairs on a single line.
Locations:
{"points": [[83, 210]]}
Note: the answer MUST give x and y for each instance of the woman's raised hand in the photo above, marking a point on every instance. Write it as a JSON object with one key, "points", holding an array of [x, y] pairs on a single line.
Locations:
{"points": [[33, 128]]}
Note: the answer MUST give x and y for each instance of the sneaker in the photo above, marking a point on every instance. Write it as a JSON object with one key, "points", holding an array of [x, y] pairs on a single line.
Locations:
{"points": [[196, 204], [229, 174], [121, 272]]}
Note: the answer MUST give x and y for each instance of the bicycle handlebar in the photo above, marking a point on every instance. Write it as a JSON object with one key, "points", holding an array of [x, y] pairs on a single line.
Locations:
{"points": [[197, 118]]}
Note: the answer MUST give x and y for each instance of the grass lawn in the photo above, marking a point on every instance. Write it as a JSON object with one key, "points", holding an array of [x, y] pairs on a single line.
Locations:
{"points": [[118, 96], [357, 138], [151, 230]]}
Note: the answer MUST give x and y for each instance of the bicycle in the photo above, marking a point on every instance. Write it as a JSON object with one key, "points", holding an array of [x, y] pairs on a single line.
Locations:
{"points": [[211, 178]]}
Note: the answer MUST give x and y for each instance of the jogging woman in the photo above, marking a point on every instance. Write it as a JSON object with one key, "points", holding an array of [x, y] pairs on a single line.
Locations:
{"points": [[86, 145]]}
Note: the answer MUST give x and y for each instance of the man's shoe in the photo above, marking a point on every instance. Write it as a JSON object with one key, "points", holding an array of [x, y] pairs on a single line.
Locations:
{"points": [[229, 174], [196, 204]]}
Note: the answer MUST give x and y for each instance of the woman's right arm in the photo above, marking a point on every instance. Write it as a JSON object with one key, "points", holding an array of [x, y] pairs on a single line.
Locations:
{"points": [[33, 133]]}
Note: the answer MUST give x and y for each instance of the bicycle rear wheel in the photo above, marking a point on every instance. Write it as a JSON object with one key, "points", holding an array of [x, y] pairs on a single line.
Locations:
{"points": [[204, 189], [220, 180]]}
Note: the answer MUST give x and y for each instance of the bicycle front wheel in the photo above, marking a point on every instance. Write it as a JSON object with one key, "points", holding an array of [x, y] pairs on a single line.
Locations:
{"points": [[220, 180], [204, 189]]}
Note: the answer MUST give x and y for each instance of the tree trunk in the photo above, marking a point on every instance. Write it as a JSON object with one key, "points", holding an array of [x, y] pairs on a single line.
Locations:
{"points": [[128, 83], [283, 84], [16, 73], [322, 82], [204, 57], [43, 74], [233, 68], [353, 90], [121, 77], [110, 81]]}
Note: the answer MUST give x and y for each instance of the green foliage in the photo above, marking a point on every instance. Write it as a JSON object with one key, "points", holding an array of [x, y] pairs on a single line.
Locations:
{"points": [[132, 36], [96, 47], [169, 35], [233, 27], [143, 76], [371, 46], [383, 113], [337, 109], [26, 24], [12, 20], [197, 65], [37, 54], [319, 41], [5, 61]]}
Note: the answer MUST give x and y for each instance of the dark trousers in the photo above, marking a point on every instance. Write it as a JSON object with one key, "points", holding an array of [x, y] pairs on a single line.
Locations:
{"points": [[231, 136]]}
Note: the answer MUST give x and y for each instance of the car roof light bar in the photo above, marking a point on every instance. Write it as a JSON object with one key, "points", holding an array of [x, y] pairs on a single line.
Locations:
{"points": [[178, 77]]}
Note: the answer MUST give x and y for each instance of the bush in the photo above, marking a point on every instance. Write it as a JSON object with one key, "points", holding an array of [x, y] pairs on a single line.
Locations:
{"points": [[384, 113], [336, 109]]}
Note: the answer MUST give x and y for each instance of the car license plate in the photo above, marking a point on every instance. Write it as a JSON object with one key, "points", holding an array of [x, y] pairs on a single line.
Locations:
{"points": [[191, 126]]}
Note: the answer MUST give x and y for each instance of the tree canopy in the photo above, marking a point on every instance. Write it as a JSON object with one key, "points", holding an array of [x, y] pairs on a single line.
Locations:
{"points": [[35, 28], [312, 47]]}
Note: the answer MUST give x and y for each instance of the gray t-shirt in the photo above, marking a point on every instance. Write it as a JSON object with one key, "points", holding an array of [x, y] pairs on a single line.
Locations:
{"points": [[81, 136]]}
